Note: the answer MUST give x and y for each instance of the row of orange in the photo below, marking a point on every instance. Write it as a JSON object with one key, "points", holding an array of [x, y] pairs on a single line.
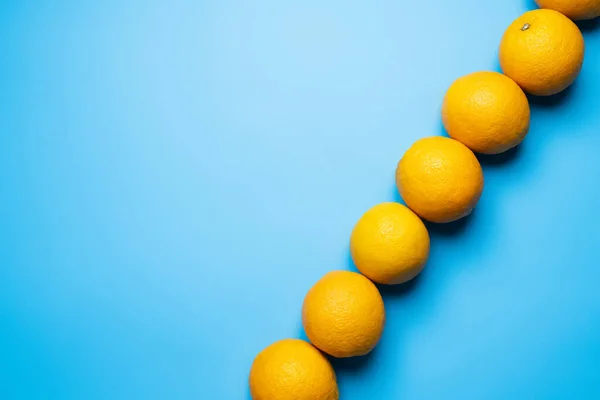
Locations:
{"points": [[441, 180]]}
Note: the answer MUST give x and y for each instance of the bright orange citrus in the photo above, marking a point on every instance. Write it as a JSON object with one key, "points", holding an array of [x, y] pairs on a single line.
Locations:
{"points": [[542, 51], [574, 9], [440, 179], [390, 244], [292, 369], [486, 111], [343, 314]]}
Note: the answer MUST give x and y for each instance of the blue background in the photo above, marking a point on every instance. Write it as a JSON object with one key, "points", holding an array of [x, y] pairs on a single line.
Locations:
{"points": [[175, 175]]}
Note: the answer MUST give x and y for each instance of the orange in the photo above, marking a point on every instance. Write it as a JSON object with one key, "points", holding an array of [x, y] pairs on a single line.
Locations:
{"points": [[486, 111], [343, 314], [542, 51], [390, 244], [292, 369], [440, 179], [574, 9]]}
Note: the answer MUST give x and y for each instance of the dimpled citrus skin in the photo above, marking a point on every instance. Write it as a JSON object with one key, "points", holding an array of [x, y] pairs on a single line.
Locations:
{"points": [[440, 179], [389, 244], [343, 314], [542, 51], [486, 111], [292, 369], [574, 9]]}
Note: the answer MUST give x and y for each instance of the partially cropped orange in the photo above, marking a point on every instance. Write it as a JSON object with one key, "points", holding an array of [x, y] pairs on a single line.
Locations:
{"points": [[574, 9], [440, 179], [486, 111], [542, 51], [343, 314], [292, 369], [389, 244]]}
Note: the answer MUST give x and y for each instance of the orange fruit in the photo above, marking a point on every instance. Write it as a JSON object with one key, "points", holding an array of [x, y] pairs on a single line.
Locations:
{"points": [[343, 314], [389, 244], [292, 369], [574, 9], [440, 179], [542, 51], [486, 111]]}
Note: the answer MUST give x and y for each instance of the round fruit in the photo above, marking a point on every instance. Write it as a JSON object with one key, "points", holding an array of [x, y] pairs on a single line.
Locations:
{"points": [[343, 314], [542, 51], [574, 9], [440, 179], [486, 111], [390, 244], [292, 369]]}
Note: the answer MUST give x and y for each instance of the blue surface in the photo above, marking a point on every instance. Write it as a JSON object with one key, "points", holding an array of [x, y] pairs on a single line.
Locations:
{"points": [[175, 175]]}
